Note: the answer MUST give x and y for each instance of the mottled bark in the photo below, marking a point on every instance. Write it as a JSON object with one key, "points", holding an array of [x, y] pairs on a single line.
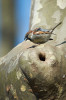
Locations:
{"points": [[13, 83], [26, 72]]}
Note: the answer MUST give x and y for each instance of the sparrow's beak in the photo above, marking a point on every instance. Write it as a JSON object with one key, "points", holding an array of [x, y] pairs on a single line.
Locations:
{"points": [[25, 38]]}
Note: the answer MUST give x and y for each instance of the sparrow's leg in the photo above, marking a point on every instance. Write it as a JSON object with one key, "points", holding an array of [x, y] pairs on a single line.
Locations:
{"points": [[50, 39]]}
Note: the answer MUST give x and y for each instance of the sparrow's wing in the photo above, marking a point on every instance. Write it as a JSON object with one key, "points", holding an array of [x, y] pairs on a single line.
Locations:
{"points": [[41, 32], [40, 29]]}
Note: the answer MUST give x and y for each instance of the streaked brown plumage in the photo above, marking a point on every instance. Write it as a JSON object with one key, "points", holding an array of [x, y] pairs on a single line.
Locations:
{"points": [[40, 35]]}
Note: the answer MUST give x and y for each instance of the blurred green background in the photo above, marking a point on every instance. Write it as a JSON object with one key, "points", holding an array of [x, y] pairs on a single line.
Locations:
{"points": [[14, 23]]}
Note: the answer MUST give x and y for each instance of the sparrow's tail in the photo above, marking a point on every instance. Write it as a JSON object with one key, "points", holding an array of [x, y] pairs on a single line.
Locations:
{"points": [[55, 27]]}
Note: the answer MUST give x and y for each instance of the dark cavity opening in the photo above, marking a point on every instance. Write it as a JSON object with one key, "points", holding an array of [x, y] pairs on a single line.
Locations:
{"points": [[42, 57]]}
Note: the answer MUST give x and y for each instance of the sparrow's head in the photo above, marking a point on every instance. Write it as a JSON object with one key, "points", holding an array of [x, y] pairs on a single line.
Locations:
{"points": [[28, 35]]}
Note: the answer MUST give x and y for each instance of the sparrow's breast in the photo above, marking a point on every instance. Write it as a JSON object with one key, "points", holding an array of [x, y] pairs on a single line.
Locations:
{"points": [[42, 38]]}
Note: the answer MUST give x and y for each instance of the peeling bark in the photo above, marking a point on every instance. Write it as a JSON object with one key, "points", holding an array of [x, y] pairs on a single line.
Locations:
{"points": [[36, 73]]}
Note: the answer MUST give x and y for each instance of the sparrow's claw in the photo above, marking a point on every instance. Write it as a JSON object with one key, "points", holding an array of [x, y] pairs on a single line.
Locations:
{"points": [[50, 39]]}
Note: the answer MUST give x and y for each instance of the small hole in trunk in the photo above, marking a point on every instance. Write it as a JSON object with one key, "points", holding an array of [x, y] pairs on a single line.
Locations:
{"points": [[42, 57]]}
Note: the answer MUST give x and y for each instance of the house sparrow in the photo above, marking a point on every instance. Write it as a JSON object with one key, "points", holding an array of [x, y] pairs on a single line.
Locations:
{"points": [[40, 35]]}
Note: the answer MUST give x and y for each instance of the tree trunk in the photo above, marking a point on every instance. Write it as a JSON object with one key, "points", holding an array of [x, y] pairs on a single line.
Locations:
{"points": [[38, 73]]}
